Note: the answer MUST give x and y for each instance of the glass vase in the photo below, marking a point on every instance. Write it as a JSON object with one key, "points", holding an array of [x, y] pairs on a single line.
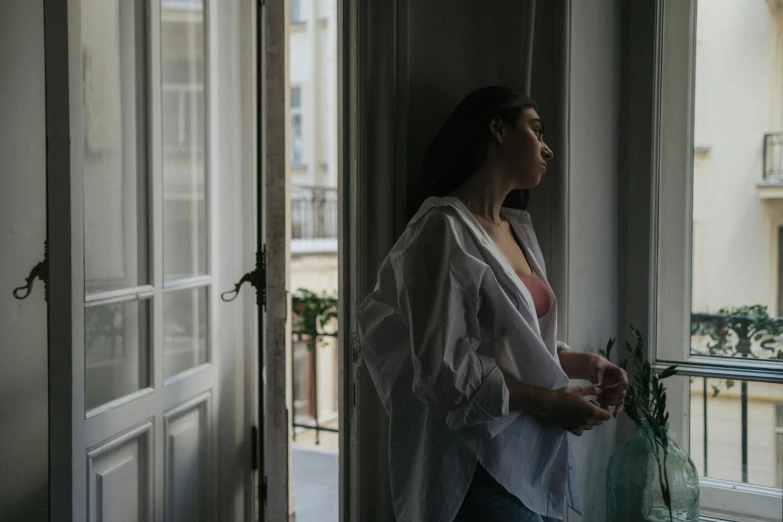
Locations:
{"points": [[634, 489]]}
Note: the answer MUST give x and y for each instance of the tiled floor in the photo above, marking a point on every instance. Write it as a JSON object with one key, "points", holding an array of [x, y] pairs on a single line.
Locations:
{"points": [[315, 483]]}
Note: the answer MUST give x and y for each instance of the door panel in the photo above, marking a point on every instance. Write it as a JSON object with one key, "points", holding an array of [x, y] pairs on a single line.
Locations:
{"points": [[187, 461], [119, 474]]}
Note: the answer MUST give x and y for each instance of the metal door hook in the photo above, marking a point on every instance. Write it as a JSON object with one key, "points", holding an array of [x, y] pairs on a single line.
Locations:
{"points": [[40, 271], [256, 278], [230, 295]]}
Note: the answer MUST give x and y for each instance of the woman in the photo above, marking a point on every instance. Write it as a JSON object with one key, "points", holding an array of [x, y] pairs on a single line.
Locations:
{"points": [[459, 335]]}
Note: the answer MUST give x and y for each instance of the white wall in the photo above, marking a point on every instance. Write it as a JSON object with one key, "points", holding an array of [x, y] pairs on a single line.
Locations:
{"points": [[593, 215], [739, 68], [24, 486]]}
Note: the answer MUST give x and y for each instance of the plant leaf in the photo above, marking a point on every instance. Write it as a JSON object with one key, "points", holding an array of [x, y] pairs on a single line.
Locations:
{"points": [[668, 372]]}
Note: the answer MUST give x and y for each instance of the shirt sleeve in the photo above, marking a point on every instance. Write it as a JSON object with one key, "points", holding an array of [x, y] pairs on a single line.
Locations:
{"points": [[439, 299]]}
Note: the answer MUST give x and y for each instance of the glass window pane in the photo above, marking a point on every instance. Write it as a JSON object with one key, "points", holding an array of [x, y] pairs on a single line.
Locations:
{"points": [[303, 389], [115, 166], [737, 201], [741, 439], [297, 138], [296, 11], [116, 351], [183, 106], [184, 329]]}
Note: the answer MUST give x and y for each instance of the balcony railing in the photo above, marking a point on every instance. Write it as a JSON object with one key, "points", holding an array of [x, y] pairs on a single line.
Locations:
{"points": [[314, 326], [747, 332], [773, 158], [313, 219]]}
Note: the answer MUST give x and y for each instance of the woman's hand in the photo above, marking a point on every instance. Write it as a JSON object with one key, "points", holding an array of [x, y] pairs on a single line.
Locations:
{"points": [[570, 409], [612, 381]]}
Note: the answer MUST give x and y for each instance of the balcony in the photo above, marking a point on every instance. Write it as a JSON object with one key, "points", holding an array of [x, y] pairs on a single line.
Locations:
{"points": [[771, 185], [313, 220], [737, 425]]}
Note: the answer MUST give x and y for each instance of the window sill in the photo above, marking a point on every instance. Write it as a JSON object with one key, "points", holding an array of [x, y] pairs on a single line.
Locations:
{"points": [[721, 500]]}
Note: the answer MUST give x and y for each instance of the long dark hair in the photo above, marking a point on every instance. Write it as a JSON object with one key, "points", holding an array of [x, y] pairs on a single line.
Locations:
{"points": [[460, 146]]}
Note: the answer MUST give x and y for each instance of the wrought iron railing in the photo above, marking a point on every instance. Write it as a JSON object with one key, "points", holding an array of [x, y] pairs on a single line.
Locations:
{"points": [[746, 332], [773, 158], [313, 212], [314, 322]]}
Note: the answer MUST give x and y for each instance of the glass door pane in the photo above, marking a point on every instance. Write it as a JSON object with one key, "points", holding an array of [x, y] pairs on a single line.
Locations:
{"points": [[117, 339], [184, 329], [185, 188], [115, 152], [117, 354], [184, 139]]}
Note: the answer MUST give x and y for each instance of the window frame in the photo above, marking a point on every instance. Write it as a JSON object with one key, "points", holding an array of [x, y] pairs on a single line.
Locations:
{"points": [[670, 236], [777, 227], [779, 441]]}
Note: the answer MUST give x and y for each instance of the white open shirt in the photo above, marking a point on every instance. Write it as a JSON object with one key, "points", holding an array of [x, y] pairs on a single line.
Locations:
{"points": [[447, 313]]}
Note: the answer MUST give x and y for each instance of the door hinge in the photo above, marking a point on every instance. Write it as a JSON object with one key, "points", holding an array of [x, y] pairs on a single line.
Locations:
{"points": [[254, 447], [355, 367], [261, 270], [256, 278]]}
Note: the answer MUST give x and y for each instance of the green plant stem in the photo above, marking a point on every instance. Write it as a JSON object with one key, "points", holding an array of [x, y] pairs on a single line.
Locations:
{"points": [[663, 476]]}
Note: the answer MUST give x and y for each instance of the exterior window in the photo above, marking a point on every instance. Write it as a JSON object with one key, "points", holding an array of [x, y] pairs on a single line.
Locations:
{"points": [[297, 139], [719, 248], [296, 11]]}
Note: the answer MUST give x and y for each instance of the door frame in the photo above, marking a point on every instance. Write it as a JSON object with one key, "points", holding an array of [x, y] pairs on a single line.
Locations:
{"points": [[60, 129], [273, 236]]}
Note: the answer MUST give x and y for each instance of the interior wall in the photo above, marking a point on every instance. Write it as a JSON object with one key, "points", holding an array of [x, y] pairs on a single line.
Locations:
{"points": [[593, 215], [24, 487]]}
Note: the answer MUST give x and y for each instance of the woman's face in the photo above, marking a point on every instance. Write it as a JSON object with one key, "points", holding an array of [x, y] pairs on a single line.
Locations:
{"points": [[523, 151]]}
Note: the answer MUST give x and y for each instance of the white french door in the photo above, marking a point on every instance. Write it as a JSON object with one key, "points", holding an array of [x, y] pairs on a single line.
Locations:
{"points": [[151, 375]]}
